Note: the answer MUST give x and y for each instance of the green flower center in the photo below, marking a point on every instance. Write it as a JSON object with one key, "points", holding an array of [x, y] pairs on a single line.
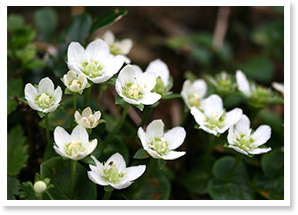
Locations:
{"points": [[112, 174], [159, 87], [92, 69], [245, 142], [194, 100], [132, 91], [159, 145], [261, 95], [214, 122], [74, 148], [224, 85], [44, 101]]}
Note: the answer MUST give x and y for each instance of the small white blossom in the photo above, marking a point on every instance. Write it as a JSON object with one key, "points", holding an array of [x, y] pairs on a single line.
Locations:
{"points": [[121, 47], [75, 146], [95, 61], [159, 144], [213, 118], [39, 187], [75, 82], [114, 172], [43, 98], [162, 74], [135, 87], [87, 119], [278, 86], [193, 93], [242, 139]]}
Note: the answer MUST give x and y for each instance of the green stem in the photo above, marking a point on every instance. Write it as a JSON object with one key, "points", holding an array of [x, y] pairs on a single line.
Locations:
{"points": [[211, 143], [87, 95], [185, 116], [146, 116], [235, 165], [46, 119], [107, 195], [149, 168], [74, 108], [116, 129], [73, 173]]}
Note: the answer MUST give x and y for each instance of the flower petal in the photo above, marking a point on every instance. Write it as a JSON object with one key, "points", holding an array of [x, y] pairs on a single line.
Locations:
{"points": [[46, 86], [97, 179], [89, 147], [143, 137], [150, 98], [155, 129], [97, 50], [76, 54], [200, 87], [243, 125], [86, 112], [121, 186], [231, 118], [125, 46], [134, 172], [153, 154], [238, 149], [61, 137], [80, 134], [257, 151], [30, 92], [114, 65], [147, 80], [211, 105], [243, 84], [61, 152], [261, 135], [129, 74], [57, 95], [109, 37], [175, 137], [200, 118], [172, 155], [99, 165], [117, 160], [160, 69]]}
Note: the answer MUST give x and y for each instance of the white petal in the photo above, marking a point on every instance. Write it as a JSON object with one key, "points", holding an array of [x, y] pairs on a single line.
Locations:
{"points": [[128, 74], [261, 135], [118, 161], [100, 79], [243, 125], [238, 150], [184, 93], [79, 156], [77, 116], [61, 152], [30, 92], [61, 137], [150, 98], [76, 54], [134, 172], [213, 104], [109, 37], [160, 69], [69, 77], [114, 65], [97, 50], [198, 115], [121, 186], [46, 86], [147, 80], [278, 86], [33, 105], [99, 165], [257, 151], [243, 84], [51, 109], [143, 137], [231, 118], [231, 136], [172, 155], [80, 134], [125, 46], [153, 154], [57, 95], [155, 129], [200, 87], [86, 112], [175, 137], [97, 179], [90, 146]]}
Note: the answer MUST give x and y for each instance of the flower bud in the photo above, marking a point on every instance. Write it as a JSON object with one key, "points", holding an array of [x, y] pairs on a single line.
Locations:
{"points": [[39, 187]]}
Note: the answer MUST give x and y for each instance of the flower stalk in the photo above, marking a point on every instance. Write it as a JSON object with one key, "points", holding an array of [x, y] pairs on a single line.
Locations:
{"points": [[74, 107], [73, 173], [107, 194], [86, 97], [235, 165]]}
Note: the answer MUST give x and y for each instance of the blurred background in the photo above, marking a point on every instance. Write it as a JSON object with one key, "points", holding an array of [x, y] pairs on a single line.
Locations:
{"points": [[193, 42]]}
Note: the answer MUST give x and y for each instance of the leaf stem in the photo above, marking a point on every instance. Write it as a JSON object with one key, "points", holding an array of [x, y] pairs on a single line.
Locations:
{"points": [[46, 119], [74, 107], [235, 165], [107, 195], [118, 126], [73, 173], [146, 115], [87, 95], [185, 116]]}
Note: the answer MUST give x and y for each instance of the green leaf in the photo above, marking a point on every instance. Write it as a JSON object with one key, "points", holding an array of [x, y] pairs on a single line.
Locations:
{"points": [[22, 99], [58, 170], [223, 190], [14, 21], [36, 64], [269, 188], [68, 91], [16, 150], [107, 19], [140, 107], [41, 114], [259, 68], [171, 96], [15, 88], [273, 164], [161, 163], [27, 192], [89, 160], [79, 27], [46, 20], [12, 188], [119, 100], [141, 154]]}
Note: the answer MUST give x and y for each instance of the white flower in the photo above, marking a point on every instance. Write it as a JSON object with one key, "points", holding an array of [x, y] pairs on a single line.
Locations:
{"points": [[242, 139], [87, 119], [118, 47], [39, 187], [75, 146], [162, 74], [213, 118], [159, 144], [95, 62], [135, 87], [75, 82], [43, 98], [193, 93], [114, 172], [243, 84], [278, 86]]}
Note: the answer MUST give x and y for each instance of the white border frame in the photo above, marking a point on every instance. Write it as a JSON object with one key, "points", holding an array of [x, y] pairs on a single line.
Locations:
{"points": [[287, 121]]}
